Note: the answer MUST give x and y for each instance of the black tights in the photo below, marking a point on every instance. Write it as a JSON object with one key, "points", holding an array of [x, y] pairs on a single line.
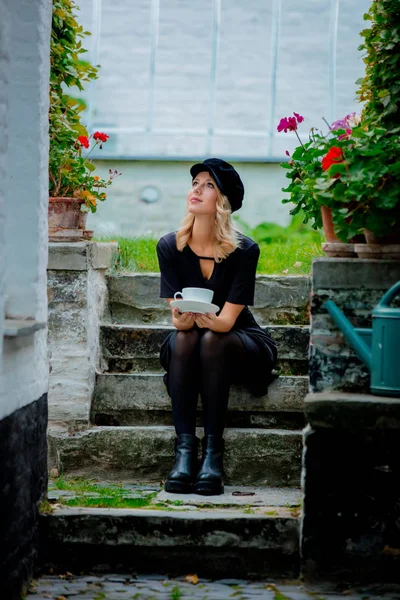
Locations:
{"points": [[202, 361]]}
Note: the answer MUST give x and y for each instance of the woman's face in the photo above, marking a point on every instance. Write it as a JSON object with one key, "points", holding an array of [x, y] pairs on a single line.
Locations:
{"points": [[202, 197]]}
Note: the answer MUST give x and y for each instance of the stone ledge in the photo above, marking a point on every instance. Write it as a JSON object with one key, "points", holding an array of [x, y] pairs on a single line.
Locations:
{"points": [[144, 453], [354, 273], [22, 327], [213, 541], [352, 411], [80, 256]]}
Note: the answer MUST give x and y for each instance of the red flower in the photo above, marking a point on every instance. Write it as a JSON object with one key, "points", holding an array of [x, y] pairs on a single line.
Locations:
{"points": [[299, 118], [287, 123], [333, 157], [103, 137], [84, 141]]}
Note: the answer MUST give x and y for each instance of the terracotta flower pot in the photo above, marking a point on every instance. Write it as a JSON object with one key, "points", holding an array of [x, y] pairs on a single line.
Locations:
{"points": [[391, 238], [334, 247], [67, 223], [380, 247], [327, 223]]}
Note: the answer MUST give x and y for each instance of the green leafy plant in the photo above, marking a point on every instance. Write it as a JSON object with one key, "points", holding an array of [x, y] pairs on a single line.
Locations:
{"points": [[71, 173], [310, 167], [380, 86]]}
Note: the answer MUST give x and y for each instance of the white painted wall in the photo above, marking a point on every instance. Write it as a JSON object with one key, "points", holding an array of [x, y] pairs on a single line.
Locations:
{"points": [[24, 361], [4, 67], [125, 213], [246, 99]]}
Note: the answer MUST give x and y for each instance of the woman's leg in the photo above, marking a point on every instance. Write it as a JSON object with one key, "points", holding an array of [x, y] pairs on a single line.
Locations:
{"points": [[183, 380], [183, 371], [220, 356]]}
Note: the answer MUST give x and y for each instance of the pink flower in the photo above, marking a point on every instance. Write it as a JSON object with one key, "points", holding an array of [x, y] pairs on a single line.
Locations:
{"points": [[299, 118], [287, 123], [346, 135], [350, 120], [287, 152]]}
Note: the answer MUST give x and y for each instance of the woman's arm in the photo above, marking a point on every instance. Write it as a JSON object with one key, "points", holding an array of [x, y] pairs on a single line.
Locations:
{"points": [[225, 320]]}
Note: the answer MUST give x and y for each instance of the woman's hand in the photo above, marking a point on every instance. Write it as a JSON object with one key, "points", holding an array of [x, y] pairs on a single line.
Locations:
{"points": [[206, 321], [182, 321]]}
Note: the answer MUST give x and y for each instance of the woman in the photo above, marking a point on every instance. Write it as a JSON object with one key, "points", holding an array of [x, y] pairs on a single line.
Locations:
{"points": [[206, 353]]}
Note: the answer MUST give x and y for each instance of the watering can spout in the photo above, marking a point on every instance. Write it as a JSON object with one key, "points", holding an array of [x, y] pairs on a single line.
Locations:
{"points": [[355, 340]]}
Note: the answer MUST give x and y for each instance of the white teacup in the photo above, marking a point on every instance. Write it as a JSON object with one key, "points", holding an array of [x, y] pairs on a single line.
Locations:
{"points": [[194, 293]]}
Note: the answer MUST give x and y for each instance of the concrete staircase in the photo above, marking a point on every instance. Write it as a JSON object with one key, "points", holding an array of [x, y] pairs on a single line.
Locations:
{"points": [[251, 531], [131, 433]]}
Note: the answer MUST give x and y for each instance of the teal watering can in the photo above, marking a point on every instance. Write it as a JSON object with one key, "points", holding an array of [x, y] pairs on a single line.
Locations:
{"points": [[379, 347]]}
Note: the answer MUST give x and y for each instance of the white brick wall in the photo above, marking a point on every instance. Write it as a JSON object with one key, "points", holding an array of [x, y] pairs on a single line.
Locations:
{"points": [[124, 213], [24, 361], [4, 66], [244, 86]]}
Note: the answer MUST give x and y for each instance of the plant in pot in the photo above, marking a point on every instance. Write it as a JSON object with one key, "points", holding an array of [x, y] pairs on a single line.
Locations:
{"points": [[371, 166], [312, 183], [73, 189]]}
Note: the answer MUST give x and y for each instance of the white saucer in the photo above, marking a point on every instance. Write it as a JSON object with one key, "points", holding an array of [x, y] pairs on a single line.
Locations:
{"points": [[196, 306]]}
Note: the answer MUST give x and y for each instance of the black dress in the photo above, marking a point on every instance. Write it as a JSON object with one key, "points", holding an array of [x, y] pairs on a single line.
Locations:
{"points": [[232, 280]]}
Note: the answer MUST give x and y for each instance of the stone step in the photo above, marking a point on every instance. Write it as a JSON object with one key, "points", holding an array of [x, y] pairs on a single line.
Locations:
{"points": [[142, 399], [134, 298], [207, 542], [131, 348], [267, 457]]}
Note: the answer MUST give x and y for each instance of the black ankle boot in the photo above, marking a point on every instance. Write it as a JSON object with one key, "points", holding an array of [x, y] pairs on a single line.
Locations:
{"points": [[210, 480], [183, 474]]}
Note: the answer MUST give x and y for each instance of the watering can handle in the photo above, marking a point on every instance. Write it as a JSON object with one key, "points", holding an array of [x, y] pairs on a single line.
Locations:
{"points": [[390, 295]]}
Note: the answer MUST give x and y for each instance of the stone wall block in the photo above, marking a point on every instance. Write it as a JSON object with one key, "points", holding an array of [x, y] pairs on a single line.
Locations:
{"points": [[68, 257], [353, 274], [77, 295]]}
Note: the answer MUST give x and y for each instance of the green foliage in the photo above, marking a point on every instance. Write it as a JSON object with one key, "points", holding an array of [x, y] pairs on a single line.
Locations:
{"points": [[367, 194], [70, 173], [302, 170], [380, 87]]}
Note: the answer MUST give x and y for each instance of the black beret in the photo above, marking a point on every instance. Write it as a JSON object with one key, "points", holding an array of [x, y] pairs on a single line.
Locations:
{"points": [[226, 177]]}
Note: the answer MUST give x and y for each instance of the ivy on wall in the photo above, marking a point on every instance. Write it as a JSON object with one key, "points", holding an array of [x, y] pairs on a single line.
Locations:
{"points": [[380, 88]]}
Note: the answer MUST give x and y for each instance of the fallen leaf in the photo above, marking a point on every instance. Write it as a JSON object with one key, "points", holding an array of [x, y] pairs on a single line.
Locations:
{"points": [[391, 551], [61, 598], [297, 264], [192, 579], [270, 586], [285, 271]]}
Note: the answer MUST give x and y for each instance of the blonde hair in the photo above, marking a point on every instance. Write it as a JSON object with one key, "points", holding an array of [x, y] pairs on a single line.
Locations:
{"points": [[227, 237]]}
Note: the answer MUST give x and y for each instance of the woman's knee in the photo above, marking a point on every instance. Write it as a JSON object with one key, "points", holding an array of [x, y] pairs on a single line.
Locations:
{"points": [[211, 344], [186, 342]]}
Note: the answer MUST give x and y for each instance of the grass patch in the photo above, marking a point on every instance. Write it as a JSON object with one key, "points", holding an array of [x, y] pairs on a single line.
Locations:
{"points": [[89, 494], [283, 250], [89, 502]]}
